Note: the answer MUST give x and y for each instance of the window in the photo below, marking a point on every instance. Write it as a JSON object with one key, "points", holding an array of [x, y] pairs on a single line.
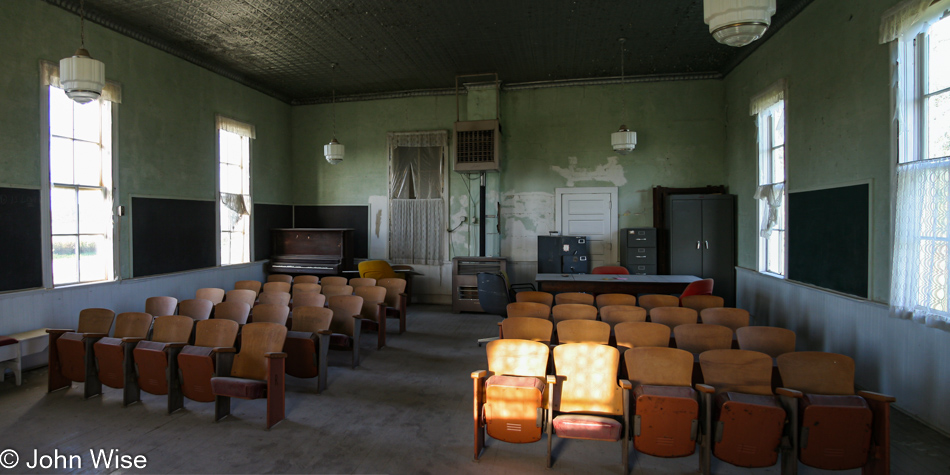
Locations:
{"points": [[416, 206], [769, 109], [920, 279], [80, 184], [234, 187]]}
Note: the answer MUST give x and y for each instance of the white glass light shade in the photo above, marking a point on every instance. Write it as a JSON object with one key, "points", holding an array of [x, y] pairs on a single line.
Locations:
{"points": [[738, 22], [623, 140], [333, 152], [82, 77]]}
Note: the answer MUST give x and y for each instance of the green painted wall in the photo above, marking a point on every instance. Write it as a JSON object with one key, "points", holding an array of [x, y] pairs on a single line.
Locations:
{"points": [[166, 122], [838, 117]]}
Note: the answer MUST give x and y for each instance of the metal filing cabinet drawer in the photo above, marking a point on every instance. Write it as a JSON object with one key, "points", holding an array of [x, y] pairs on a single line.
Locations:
{"points": [[641, 256], [642, 270], [641, 237], [638, 250]]}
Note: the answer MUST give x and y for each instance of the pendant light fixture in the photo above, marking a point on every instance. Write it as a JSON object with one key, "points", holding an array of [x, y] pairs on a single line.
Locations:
{"points": [[623, 140], [333, 150], [81, 76], [738, 22]]}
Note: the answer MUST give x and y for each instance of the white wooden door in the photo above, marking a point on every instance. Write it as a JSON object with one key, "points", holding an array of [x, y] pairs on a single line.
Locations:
{"points": [[589, 212]]}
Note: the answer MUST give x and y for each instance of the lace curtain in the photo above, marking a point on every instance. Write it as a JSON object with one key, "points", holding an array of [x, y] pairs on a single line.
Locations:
{"points": [[909, 18], [417, 210]]}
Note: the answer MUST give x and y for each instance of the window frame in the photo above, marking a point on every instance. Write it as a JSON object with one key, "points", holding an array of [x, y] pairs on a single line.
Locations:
{"points": [[765, 158], [223, 125], [47, 186]]}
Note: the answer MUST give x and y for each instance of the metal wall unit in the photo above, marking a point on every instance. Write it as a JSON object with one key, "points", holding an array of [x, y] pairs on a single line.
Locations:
{"points": [[563, 255], [638, 251], [702, 231], [465, 280]]}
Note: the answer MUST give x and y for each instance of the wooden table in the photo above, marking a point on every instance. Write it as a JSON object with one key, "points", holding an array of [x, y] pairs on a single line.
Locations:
{"points": [[610, 284]]}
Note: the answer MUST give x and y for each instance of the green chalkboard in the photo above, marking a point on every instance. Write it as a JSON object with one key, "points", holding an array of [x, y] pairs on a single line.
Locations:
{"points": [[828, 238], [171, 235], [22, 264]]}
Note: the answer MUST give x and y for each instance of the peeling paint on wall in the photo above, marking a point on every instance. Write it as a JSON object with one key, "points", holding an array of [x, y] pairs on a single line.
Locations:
{"points": [[379, 235], [525, 216], [611, 172]]}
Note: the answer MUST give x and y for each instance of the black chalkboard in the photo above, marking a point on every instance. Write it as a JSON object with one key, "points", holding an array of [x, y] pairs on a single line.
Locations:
{"points": [[356, 217], [22, 264], [172, 235], [267, 217], [828, 238]]}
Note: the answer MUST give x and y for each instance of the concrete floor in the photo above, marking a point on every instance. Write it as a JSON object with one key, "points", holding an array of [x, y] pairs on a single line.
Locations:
{"points": [[407, 409]]}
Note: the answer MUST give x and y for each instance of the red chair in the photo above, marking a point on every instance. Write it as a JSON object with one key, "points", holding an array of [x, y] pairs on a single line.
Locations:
{"points": [[71, 354], [197, 362], [616, 270], [114, 354], [156, 360], [698, 287], [306, 345]]}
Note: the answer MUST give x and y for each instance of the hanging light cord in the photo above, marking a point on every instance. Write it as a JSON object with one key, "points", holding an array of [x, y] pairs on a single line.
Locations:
{"points": [[623, 96], [82, 23], [333, 100]]}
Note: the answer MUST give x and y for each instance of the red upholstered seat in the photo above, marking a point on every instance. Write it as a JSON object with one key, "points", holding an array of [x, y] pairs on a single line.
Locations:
{"points": [[151, 355], [752, 428], [5, 340], [583, 426], [239, 387], [197, 368], [109, 356], [73, 367], [836, 431], [668, 419], [511, 408]]}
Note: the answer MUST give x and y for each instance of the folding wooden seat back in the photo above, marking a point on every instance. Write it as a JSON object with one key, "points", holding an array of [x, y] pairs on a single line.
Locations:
{"points": [[373, 311], [197, 309], [535, 296], [307, 343], [156, 360], [213, 294], [700, 302], [361, 282], [510, 394], [835, 428], [604, 300], [733, 318], [573, 311], [586, 398], [528, 310], [196, 362], [396, 299], [583, 331], [306, 279], [158, 306], [346, 323], [651, 301], [673, 316], [130, 327], [275, 298], [527, 328], [71, 352], [247, 296], [573, 297], [699, 337], [333, 280], [744, 420], [269, 312], [639, 334], [276, 287], [232, 310], [614, 314], [664, 405], [309, 299], [334, 290], [772, 341], [256, 372], [280, 278], [248, 285], [306, 287]]}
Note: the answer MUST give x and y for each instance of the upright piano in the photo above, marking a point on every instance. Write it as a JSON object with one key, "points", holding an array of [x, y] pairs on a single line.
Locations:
{"points": [[316, 251]]}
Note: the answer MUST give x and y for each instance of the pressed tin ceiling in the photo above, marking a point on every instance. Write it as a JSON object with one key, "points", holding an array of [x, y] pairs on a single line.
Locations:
{"points": [[285, 48]]}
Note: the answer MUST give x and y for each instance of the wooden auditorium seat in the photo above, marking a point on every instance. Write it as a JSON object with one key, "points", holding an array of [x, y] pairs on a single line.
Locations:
{"points": [[535, 296], [114, 354], [307, 344], [640, 334], [156, 360], [71, 352], [527, 328], [583, 331], [604, 300], [396, 300], [197, 309], [215, 295], [346, 324], [196, 362], [573, 297], [373, 311]]}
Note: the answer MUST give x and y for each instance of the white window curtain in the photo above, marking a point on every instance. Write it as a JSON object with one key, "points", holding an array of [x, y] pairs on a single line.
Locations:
{"points": [[920, 265], [417, 208], [772, 195], [49, 76], [235, 127]]}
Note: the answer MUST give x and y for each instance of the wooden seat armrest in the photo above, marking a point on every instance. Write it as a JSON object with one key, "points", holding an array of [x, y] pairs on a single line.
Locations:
{"points": [[876, 396], [95, 335], [324, 332], [625, 384], [705, 388], [132, 339], [481, 374], [276, 354], [789, 393], [177, 344], [357, 317], [224, 349], [551, 379], [58, 331]]}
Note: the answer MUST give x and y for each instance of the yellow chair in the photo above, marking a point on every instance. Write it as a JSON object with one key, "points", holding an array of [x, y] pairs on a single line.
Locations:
{"points": [[378, 269]]}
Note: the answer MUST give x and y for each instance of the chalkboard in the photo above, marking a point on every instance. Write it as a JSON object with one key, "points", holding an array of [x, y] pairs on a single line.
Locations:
{"points": [[828, 238], [22, 264], [267, 217], [356, 217], [172, 235]]}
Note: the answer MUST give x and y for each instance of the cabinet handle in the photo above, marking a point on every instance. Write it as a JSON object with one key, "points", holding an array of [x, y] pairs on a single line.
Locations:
{"points": [[697, 245], [707, 244]]}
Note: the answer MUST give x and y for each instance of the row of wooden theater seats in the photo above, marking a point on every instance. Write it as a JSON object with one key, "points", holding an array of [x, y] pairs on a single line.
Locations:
{"points": [[648, 301], [816, 418]]}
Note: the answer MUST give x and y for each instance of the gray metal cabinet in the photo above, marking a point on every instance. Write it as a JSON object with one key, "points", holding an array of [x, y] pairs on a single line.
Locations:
{"points": [[638, 250], [702, 240]]}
